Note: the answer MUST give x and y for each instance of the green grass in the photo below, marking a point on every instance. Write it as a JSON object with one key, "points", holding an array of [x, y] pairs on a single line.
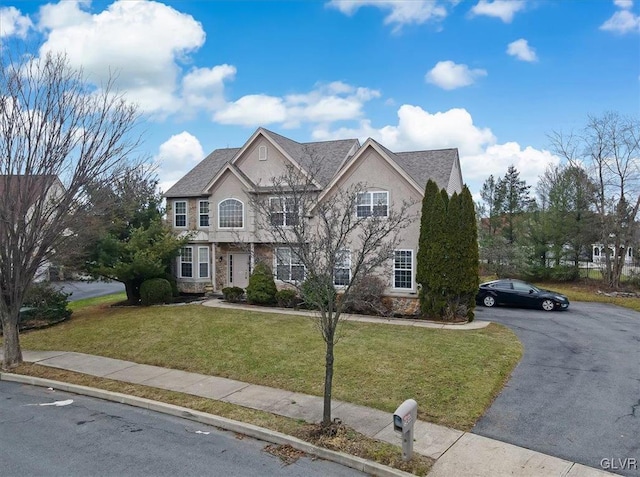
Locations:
{"points": [[101, 300], [454, 375], [578, 292]]}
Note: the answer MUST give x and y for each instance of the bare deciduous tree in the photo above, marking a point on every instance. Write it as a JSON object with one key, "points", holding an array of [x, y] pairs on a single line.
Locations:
{"points": [[57, 135], [333, 243], [609, 150]]}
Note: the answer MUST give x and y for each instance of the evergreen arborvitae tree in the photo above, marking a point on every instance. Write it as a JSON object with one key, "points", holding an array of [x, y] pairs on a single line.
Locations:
{"points": [[469, 255], [425, 241], [431, 263], [452, 253], [447, 260]]}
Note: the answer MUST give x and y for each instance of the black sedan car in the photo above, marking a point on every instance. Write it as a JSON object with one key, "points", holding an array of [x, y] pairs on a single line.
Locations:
{"points": [[518, 293]]}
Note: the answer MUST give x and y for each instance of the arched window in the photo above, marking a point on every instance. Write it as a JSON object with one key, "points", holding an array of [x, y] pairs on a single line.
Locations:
{"points": [[230, 214]]}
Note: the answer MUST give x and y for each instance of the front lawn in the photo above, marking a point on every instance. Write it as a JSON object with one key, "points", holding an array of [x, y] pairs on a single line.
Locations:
{"points": [[454, 375]]}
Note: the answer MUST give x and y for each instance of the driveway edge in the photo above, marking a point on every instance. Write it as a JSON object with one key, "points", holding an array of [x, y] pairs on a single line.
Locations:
{"points": [[261, 433]]}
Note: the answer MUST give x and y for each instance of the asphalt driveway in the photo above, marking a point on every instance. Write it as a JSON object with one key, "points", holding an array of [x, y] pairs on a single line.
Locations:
{"points": [[88, 289], [576, 392]]}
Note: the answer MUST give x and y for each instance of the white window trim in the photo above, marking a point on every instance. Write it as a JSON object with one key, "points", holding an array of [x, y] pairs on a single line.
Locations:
{"points": [[218, 213], [200, 214], [207, 261], [413, 268], [370, 193], [186, 214], [285, 211], [348, 252], [180, 262], [275, 265], [262, 153]]}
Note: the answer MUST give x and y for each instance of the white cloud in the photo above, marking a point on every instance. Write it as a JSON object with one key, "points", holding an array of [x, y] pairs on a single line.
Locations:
{"points": [[252, 110], [141, 42], [522, 51], [622, 21], [13, 23], [449, 75], [502, 9], [176, 156], [530, 162], [418, 129], [401, 12], [335, 101], [203, 88], [626, 4], [480, 155]]}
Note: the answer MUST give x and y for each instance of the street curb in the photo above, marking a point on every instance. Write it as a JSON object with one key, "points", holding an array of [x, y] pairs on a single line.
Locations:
{"points": [[261, 433]]}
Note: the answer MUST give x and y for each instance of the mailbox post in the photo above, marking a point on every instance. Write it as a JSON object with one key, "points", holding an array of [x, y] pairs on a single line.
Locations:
{"points": [[403, 420]]}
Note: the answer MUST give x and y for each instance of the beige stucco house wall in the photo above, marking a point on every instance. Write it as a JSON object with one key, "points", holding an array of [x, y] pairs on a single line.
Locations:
{"points": [[236, 173]]}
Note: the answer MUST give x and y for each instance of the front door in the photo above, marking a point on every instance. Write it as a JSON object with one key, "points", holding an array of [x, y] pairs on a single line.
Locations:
{"points": [[238, 269]]}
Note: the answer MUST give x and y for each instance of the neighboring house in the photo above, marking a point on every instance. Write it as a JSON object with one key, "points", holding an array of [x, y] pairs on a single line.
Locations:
{"points": [[598, 252], [20, 194], [212, 203]]}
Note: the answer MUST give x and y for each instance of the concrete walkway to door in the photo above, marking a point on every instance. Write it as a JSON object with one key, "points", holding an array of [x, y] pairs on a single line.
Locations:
{"points": [[474, 325]]}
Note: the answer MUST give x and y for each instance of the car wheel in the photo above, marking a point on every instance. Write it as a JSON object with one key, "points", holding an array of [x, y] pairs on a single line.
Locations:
{"points": [[489, 301], [548, 305]]}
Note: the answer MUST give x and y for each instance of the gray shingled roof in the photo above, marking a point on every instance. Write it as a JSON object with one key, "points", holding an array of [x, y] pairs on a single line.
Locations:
{"points": [[420, 165], [424, 165], [194, 182], [326, 156]]}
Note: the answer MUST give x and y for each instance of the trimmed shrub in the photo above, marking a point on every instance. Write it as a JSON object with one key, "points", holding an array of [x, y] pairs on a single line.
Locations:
{"points": [[262, 287], [365, 296], [318, 291], [287, 298], [565, 273], [44, 302], [232, 294], [155, 291]]}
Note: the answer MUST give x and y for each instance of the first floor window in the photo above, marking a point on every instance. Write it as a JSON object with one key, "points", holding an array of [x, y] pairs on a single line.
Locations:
{"points": [[230, 214], [372, 204], [180, 213], [342, 270], [403, 269], [203, 262], [186, 262], [204, 213], [288, 265]]}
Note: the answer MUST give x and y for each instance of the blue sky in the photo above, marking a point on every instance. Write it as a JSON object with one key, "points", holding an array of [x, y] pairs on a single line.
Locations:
{"points": [[491, 77]]}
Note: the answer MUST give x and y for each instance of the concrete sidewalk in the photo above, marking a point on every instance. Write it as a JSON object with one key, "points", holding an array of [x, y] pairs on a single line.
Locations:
{"points": [[474, 325], [456, 452]]}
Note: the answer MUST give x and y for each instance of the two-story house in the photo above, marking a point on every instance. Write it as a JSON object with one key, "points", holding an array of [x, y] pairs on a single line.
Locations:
{"points": [[212, 202]]}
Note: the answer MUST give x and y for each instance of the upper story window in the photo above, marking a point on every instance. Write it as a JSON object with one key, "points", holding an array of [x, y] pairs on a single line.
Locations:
{"points": [[180, 213], [403, 269], [284, 211], [372, 204], [230, 214], [203, 213], [262, 153], [342, 270]]}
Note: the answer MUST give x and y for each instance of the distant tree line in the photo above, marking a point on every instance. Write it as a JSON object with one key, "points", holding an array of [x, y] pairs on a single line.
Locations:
{"points": [[591, 198]]}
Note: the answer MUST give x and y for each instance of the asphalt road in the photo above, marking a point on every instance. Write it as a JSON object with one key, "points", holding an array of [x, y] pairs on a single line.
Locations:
{"points": [[82, 289], [90, 437], [576, 392]]}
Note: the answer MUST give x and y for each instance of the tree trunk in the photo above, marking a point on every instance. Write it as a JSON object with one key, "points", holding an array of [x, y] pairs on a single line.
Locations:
{"points": [[11, 342], [328, 382], [130, 289]]}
